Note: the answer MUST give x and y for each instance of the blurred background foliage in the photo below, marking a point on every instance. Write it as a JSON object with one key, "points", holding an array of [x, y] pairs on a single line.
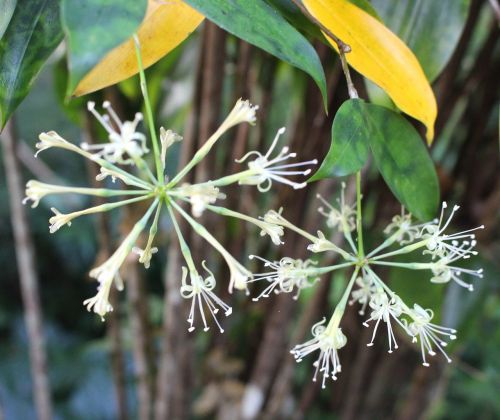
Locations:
{"points": [[191, 89]]}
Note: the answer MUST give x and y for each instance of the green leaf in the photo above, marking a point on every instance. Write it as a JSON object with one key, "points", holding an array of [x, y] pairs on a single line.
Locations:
{"points": [[6, 12], [403, 161], [95, 27], [31, 32], [350, 141], [261, 25], [430, 28]]}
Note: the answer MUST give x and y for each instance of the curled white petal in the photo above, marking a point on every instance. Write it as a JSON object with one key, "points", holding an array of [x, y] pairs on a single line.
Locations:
{"points": [[263, 170]]}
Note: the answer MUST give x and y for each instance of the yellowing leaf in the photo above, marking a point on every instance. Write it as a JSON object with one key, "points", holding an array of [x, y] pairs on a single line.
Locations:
{"points": [[378, 54], [166, 25]]}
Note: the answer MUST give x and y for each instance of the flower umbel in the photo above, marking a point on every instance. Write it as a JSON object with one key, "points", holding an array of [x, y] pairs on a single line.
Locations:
{"points": [[123, 157]]}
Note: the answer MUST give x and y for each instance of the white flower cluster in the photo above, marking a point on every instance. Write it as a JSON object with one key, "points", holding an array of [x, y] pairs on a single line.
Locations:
{"points": [[366, 288], [123, 156]]}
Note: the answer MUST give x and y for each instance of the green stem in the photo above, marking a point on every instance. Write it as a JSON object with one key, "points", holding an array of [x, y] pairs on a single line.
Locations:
{"points": [[340, 308], [144, 168], [182, 242], [388, 242], [154, 226], [231, 179], [231, 213], [108, 206], [411, 266], [149, 111], [328, 269], [359, 224], [404, 250], [348, 237], [312, 238], [388, 290], [97, 192], [131, 179]]}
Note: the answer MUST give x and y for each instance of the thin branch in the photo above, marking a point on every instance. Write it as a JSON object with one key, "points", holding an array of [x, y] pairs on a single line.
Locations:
{"points": [[28, 277], [342, 46], [142, 352], [353, 93], [113, 322], [171, 380]]}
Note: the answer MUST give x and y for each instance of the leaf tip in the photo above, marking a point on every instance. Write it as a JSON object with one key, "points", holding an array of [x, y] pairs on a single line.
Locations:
{"points": [[429, 135]]}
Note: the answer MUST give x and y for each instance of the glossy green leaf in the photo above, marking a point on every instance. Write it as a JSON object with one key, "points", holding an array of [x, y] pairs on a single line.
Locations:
{"points": [[7, 8], [95, 27], [350, 141], [261, 25], [403, 161], [31, 32], [430, 28]]}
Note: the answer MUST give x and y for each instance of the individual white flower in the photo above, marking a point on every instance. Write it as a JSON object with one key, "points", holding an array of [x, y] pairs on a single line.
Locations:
{"points": [[124, 140], [239, 275], [243, 111], [60, 219], [364, 293], [328, 341], [106, 274], [199, 195], [343, 218], [430, 335], [440, 244], [383, 309], [286, 275], [443, 271], [275, 232], [200, 291], [125, 177], [99, 304], [35, 191], [321, 244], [167, 139], [52, 139], [145, 254], [402, 227], [274, 217], [263, 170]]}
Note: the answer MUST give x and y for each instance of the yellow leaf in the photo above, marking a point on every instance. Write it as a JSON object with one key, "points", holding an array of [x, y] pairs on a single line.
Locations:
{"points": [[166, 25], [378, 54]]}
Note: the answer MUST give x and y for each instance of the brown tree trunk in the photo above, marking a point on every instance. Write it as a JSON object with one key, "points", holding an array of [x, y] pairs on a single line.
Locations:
{"points": [[28, 278]]}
